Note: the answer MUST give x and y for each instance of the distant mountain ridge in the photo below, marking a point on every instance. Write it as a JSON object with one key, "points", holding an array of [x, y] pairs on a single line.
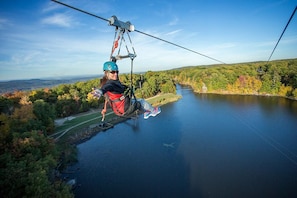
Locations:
{"points": [[32, 84]]}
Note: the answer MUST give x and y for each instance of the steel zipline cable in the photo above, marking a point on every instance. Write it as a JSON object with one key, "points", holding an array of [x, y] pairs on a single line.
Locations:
{"points": [[88, 13], [282, 34], [179, 46]]}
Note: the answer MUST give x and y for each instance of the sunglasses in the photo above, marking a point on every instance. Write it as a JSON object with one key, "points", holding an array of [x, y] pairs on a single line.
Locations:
{"points": [[113, 72]]}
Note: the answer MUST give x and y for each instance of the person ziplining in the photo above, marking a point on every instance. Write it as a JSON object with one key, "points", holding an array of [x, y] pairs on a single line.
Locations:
{"points": [[116, 95], [120, 97]]}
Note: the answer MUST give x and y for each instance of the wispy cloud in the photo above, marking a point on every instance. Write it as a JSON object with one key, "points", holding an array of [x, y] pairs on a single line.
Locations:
{"points": [[174, 21], [51, 6], [62, 20], [3, 23], [174, 32]]}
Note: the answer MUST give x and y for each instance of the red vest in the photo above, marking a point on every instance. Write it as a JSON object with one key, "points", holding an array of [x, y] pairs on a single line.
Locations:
{"points": [[117, 102]]}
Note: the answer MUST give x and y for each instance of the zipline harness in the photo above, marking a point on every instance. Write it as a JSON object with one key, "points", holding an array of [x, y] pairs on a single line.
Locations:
{"points": [[120, 29], [128, 98]]}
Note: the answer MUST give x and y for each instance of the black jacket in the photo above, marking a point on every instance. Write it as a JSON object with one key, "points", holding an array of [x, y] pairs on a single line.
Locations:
{"points": [[114, 86]]}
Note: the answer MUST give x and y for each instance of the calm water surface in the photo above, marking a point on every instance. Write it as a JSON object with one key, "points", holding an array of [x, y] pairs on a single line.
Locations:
{"points": [[200, 146]]}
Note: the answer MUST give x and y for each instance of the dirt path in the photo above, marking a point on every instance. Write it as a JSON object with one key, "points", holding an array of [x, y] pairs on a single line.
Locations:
{"points": [[59, 122]]}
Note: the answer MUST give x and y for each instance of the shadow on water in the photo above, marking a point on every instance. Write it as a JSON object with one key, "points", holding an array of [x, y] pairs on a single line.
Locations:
{"points": [[133, 123]]}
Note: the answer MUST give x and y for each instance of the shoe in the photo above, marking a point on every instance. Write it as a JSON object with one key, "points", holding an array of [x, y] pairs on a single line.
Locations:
{"points": [[146, 115], [156, 111]]}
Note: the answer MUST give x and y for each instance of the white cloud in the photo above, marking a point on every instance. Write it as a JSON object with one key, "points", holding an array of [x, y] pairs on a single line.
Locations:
{"points": [[173, 32], [51, 6], [174, 21], [58, 19], [3, 23]]}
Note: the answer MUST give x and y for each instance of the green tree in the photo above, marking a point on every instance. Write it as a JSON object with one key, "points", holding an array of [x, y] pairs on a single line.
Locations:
{"points": [[6, 105], [45, 113], [285, 90], [150, 87], [5, 134], [23, 119], [26, 166], [62, 89], [266, 84], [294, 93], [247, 85]]}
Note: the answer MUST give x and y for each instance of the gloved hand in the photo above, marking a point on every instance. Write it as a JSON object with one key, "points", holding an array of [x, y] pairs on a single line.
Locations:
{"points": [[97, 93]]}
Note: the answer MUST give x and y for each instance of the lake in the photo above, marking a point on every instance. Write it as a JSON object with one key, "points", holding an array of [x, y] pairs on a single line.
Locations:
{"points": [[204, 145]]}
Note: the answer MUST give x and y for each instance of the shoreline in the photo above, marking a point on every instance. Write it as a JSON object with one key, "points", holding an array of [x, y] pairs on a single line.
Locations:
{"points": [[87, 133], [238, 94], [224, 92]]}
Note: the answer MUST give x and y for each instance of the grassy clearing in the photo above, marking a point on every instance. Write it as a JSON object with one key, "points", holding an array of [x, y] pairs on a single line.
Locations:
{"points": [[163, 99], [77, 120], [81, 122]]}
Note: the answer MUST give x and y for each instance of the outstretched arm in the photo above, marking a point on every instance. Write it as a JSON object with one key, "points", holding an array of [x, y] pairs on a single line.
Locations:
{"points": [[104, 109]]}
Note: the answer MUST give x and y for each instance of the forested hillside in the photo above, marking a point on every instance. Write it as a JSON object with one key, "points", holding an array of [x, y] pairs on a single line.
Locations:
{"points": [[278, 78], [33, 84]]}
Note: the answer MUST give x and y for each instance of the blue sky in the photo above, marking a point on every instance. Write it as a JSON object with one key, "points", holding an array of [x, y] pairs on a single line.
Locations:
{"points": [[40, 38]]}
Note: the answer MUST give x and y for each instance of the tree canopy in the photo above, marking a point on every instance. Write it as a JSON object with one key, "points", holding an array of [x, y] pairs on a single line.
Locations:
{"points": [[278, 78]]}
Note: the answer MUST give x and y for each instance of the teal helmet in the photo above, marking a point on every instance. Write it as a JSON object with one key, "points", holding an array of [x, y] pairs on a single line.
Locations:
{"points": [[110, 66]]}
